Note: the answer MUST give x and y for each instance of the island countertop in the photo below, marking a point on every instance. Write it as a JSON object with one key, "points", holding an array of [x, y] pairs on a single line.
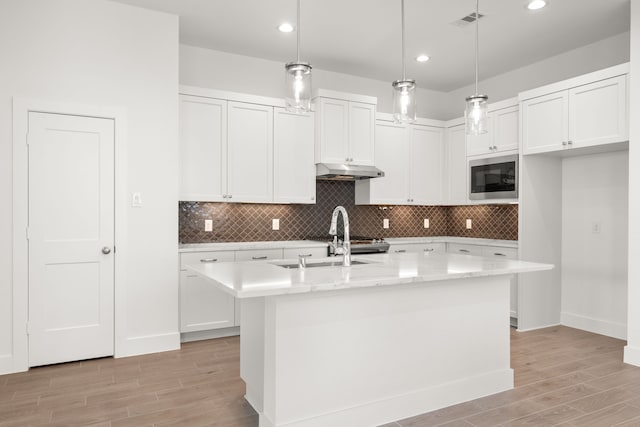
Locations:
{"points": [[268, 278]]}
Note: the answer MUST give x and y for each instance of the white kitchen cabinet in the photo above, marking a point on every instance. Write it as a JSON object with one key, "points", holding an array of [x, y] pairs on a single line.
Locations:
{"points": [[502, 131], [203, 148], [464, 249], [250, 152], [344, 129], [290, 253], [258, 254], [417, 247], [411, 157], [587, 115], [455, 182], [293, 163], [202, 305]]}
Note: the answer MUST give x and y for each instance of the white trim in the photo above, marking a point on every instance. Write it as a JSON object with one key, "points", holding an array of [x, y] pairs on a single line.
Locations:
{"points": [[19, 358], [152, 344], [345, 96], [597, 326], [632, 355], [209, 334], [230, 96], [501, 105], [388, 117], [616, 70], [454, 122], [552, 325]]}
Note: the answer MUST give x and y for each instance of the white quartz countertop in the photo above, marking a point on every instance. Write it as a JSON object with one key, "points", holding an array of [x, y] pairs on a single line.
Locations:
{"points": [[239, 246], [267, 278], [450, 239]]}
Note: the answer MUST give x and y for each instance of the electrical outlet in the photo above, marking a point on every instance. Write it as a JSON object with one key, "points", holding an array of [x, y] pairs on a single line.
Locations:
{"points": [[596, 227], [385, 223], [136, 200], [468, 224], [426, 223], [208, 225], [275, 224]]}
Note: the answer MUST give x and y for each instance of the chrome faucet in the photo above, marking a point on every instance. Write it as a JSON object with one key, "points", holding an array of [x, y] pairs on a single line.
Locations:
{"points": [[345, 248]]}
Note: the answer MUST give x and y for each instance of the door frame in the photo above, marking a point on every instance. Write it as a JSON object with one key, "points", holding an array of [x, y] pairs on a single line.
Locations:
{"points": [[20, 286]]}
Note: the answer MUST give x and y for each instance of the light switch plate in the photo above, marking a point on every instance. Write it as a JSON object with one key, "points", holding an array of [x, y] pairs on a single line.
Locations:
{"points": [[426, 223], [275, 224], [385, 223], [468, 224], [208, 225]]}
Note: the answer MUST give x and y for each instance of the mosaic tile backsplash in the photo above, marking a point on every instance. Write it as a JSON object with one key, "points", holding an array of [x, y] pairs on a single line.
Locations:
{"points": [[242, 222]]}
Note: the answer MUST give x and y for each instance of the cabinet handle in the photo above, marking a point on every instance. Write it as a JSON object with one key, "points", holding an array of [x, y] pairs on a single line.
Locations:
{"points": [[429, 250], [209, 260], [224, 196], [192, 275], [304, 255], [564, 142], [230, 196], [313, 198], [464, 250], [570, 142], [256, 258], [401, 251], [498, 254]]}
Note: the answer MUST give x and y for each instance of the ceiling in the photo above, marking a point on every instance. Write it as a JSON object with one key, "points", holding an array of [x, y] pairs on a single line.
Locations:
{"points": [[362, 37]]}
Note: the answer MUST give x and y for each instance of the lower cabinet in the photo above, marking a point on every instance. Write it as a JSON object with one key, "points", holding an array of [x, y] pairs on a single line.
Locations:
{"points": [[417, 247]]}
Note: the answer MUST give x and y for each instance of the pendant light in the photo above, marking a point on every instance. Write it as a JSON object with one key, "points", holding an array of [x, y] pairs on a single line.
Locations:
{"points": [[298, 78], [404, 91], [476, 111]]}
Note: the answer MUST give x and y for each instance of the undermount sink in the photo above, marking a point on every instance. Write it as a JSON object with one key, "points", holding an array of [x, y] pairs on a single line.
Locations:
{"points": [[336, 263]]}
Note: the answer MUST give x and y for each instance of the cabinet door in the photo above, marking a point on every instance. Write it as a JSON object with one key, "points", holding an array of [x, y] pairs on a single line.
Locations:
{"points": [[291, 253], [598, 113], [544, 123], [426, 160], [392, 146], [361, 133], [508, 253], [250, 148], [463, 249], [202, 305], [203, 148], [294, 178], [332, 128], [505, 129], [258, 254], [425, 248], [455, 174], [483, 143]]}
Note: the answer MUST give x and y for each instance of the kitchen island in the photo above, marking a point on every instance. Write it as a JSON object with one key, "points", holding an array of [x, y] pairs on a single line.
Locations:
{"points": [[364, 345]]}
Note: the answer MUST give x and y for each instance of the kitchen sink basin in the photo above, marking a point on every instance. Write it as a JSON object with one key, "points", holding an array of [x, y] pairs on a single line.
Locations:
{"points": [[336, 263]]}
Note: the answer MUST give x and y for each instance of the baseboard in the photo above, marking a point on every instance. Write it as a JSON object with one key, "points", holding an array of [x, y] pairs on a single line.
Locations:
{"points": [[407, 405], [209, 334], [149, 344], [538, 327], [632, 355], [597, 326], [8, 365]]}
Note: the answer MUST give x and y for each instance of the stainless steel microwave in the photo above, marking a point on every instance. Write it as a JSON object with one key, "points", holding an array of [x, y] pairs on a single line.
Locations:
{"points": [[494, 178]]}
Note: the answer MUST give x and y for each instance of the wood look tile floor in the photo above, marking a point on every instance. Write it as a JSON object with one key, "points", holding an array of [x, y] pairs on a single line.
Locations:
{"points": [[563, 377]]}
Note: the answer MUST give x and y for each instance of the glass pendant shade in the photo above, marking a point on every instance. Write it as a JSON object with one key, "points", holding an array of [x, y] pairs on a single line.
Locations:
{"points": [[298, 87], [404, 101], [476, 114]]}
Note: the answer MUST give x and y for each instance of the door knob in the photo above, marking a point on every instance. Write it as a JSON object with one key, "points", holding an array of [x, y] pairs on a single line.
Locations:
{"points": [[106, 250]]}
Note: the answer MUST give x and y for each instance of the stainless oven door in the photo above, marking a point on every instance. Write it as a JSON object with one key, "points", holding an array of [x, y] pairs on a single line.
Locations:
{"points": [[493, 178]]}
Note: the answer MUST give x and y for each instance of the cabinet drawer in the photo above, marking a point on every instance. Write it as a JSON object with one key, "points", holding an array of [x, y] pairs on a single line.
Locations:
{"points": [[258, 254], [417, 247], [309, 252], [500, 252], [459, 248], [187, 258]]}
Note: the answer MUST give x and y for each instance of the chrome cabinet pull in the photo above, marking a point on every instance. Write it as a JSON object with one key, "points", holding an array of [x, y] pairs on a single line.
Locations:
{"points": [[464, 250], [106, 250], [498, 254], [209, 260], [429, 250], [400, 251], [304, 255], [256, 258]]}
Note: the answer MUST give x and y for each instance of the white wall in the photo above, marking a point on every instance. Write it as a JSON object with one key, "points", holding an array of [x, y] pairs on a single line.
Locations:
{"points": [[601, 54], [225, 71], [594, 262], [107, 54], [632, 351]]}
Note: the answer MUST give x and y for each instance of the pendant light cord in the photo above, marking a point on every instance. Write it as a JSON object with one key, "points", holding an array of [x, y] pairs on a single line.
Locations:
{"points": [[298, 32], [477, 19], [404, 77]]}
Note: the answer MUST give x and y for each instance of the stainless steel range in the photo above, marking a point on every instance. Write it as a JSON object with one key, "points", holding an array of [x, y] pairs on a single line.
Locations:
{"points": [[359, 244]]}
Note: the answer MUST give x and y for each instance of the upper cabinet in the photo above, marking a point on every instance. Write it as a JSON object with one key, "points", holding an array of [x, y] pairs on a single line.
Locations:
{"points": [[345, 127], [411, 157], [243, 149], [586, 111], [455, 164], [502, 131]]}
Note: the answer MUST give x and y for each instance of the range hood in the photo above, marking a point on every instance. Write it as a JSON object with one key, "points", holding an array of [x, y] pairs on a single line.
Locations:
{"points": [[340, 172]]}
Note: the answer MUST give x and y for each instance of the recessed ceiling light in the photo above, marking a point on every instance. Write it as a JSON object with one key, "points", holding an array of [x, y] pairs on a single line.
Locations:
{"points": [[536, 4], [285, 27], [422, 58]]}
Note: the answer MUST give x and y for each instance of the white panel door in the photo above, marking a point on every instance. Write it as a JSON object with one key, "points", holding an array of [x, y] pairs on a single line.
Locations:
{"points": [[294, 173], [598, 113], [333, 130], [71, 238], [544, 123], [483, 143], [505, 129], [203, 149], [362, 119], [392, 146], [426, 161], [250, 152], [455, 178]]}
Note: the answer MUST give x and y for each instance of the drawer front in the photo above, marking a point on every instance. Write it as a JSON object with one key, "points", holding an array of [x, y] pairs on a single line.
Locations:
{"points": [[417, 247], [187, 258], [293, 253], [500, 252], [258, 254], [459, 248]]}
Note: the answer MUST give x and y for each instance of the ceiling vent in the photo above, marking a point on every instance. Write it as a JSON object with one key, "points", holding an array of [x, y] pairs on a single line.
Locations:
{"points": [[469, 19]]}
